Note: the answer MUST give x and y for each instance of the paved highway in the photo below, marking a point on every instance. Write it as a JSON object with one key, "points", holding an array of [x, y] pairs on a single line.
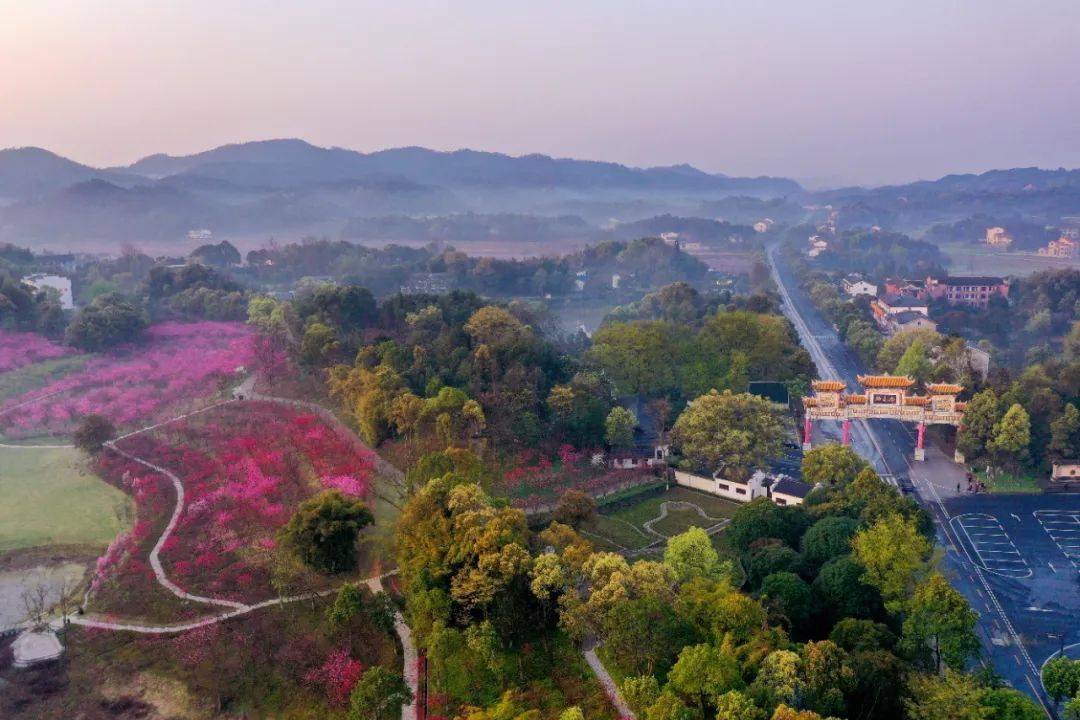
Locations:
{"points": [[888, 444], [1015, 608]]}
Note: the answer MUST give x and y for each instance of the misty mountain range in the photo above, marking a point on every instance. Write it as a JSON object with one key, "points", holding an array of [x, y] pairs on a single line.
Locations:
{"points": [[288, 188]]}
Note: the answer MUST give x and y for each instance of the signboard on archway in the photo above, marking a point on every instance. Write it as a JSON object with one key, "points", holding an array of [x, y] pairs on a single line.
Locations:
{"points": [[884, 396]]}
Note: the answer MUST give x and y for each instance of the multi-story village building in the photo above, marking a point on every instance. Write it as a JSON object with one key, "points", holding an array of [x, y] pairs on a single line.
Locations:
{"points": [[855, 285], [970, 291], [895, 287], [897, 313], [998, 237], [958, 290], [1063, 247]]}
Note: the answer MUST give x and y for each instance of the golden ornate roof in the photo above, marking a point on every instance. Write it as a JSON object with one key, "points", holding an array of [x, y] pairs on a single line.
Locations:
{"points": [[943, 388], [916, 400], [828, 385], [809, 402], [855, 399], [886, 381], [960, 406]]}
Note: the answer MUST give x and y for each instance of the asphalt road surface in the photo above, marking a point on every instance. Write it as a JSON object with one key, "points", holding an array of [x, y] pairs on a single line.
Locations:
{"points": [[1014, 557], [888, 444]]}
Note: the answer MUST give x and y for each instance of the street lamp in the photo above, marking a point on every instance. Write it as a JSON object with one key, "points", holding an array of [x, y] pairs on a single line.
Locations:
{"points": [[1061, 640]]}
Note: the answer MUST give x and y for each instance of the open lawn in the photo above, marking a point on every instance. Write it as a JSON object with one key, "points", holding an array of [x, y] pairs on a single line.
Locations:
{"points": [[1005, 483], [625, 525], [649, 508], [51, 498]]}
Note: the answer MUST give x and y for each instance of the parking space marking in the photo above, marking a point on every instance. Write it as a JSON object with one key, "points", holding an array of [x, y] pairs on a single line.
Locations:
{"points": [[1063, 527], [993, 547]]}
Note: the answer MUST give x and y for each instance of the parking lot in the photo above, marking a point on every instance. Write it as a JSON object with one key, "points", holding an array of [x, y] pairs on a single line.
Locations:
{"points": [[1017, 560], [991, 546], [1063, 527]]}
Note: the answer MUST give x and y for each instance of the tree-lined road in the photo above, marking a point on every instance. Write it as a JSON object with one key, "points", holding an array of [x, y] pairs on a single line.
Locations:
{"points": [[887, 444], [1002, 603]]}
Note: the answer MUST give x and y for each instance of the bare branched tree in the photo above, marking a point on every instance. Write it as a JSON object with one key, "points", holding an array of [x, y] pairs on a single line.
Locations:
{"points": [[36, 601]]}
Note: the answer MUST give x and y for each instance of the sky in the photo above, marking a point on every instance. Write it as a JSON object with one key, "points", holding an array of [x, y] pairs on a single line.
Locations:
{"points": [[829, 92]]}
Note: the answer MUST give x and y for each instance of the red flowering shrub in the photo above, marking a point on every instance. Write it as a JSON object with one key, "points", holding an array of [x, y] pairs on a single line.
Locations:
{"points": [[337, 676], [19, 348], [244, 468], [535, 481], [178, 363]]}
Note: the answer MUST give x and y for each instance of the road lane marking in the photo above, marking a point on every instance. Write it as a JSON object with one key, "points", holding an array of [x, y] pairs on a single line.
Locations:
{"points": [[1063, 527], [995, 550]]}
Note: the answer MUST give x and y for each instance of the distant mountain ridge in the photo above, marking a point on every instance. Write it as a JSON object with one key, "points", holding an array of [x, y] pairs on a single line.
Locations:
{"points": [[290, 187], [29, 170], [282, 160]]}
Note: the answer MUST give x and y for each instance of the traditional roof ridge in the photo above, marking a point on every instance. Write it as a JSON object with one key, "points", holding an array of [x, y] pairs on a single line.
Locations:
{"points": [[916, 400], [829, 385], [943, 388], [855, 399], [886, 381]]}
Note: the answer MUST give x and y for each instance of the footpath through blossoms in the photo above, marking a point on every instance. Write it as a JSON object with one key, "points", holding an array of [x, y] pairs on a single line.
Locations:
{"points": [[178, 363], [242, 469], [245, 488]]}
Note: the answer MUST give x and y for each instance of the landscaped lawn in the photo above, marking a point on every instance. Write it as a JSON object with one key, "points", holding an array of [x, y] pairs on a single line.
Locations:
{"points": [[612, 533], [649, 508], [1004, 483], [49, 497], [680, 520], [622, 524]]}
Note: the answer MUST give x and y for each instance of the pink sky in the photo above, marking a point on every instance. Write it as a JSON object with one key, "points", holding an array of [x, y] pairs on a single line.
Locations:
{"points": [[840, 91]]}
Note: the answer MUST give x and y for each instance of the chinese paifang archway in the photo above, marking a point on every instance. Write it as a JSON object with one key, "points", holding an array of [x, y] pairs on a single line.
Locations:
{"points": [[884, 396]]}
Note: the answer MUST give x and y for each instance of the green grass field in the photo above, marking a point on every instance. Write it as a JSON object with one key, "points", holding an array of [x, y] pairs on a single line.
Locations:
{"points": [[648, 509], [1005, 484], [622, 525], [50, 498]]}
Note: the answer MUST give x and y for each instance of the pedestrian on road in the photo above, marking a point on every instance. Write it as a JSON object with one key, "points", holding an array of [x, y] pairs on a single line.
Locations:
{"points": [[957, 488]]}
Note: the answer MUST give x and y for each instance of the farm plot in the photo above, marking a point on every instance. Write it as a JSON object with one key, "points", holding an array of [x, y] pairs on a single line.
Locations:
{"points": [[244, 468], [178, 365]]}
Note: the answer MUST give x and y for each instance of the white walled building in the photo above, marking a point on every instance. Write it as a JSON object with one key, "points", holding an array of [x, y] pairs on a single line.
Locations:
{"points": [[782, 489], [59, 283], [854, 287]]}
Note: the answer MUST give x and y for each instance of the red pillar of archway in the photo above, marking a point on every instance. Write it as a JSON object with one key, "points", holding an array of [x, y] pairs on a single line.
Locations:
{"points": [[846, 436], [807, 428], [920, 453]]}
